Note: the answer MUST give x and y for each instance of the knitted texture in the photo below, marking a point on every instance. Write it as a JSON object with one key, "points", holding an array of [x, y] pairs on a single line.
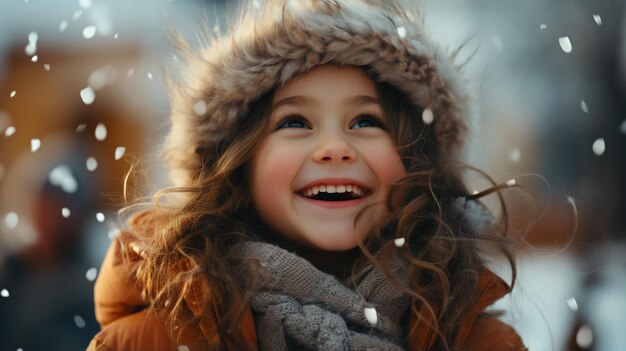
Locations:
{"points": [[299, 304], [286, 38]]}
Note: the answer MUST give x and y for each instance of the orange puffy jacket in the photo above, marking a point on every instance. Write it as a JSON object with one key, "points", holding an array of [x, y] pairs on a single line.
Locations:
{"points": [[128, 324]]}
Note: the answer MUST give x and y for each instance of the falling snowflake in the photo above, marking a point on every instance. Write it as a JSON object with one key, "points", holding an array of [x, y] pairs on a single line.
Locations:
{"points": [[511, 182], [116, 36], [199, 108], [402, 32], [598, 146], [119, 152], [543, 26], [46, 66], [89, 32], [77, 14], [84, 4], [399, 242], [91, 274], [101, 132], [81, 128], [113, 233], [34, 58], [62, 26], [100, 217], [371, 315], [91, 164], [597, 19], [149, 75], [65, 212], [428, 116], [496, 41], [256, 4], [62, 177], [583, 106], [622, 127], [4, 293], [566, 44], [516, 155], [31, 47], [12, 94], [35, 144], [11, 220], [97, 79], [573, 305], [9, 131], [584, 337], [130, 72], [88, 95], [79, 321]]}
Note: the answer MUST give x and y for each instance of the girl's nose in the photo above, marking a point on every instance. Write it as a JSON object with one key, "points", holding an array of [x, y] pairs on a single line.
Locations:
{"points": [[333, 150]]}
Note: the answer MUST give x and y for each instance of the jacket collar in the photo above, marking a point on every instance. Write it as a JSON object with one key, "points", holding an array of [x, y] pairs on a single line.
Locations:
{"points": [[490, 288]]}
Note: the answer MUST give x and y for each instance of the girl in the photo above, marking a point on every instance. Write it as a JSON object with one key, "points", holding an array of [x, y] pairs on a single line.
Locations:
{"points": [[319, 204]]}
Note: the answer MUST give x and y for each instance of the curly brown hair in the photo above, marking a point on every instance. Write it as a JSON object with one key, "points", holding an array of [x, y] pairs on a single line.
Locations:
{"points": [[195, 241]]}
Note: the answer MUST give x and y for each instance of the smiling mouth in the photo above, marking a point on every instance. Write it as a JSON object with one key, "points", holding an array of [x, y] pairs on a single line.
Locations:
{"points": [[334, 192]]}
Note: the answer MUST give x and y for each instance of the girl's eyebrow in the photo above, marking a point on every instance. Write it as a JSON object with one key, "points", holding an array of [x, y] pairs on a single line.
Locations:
{"points": [[363, 100], [302, 100], [291, 100]]}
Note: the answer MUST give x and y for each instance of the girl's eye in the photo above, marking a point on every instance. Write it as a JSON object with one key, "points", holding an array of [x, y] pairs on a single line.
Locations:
{"points": [[293, 122], [367, 121]]}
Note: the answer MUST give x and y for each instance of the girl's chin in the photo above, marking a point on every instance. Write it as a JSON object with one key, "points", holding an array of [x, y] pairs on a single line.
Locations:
{"points": [[334, 243], [334, 248]]}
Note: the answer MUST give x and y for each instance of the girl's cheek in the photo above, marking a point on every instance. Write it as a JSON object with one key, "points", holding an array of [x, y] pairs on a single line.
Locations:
{"points": [[274, 167], [387, 163], [388, 170]]}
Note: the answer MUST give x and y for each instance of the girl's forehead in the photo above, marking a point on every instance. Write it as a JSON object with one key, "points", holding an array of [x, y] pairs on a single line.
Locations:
{"points": [[327, 81]]}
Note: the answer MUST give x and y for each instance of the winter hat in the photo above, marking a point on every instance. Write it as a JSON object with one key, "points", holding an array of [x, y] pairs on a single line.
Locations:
{"points": [[280, 39]]}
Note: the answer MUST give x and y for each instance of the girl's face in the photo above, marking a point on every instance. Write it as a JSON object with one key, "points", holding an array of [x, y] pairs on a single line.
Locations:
{"points": [[326, 156]]}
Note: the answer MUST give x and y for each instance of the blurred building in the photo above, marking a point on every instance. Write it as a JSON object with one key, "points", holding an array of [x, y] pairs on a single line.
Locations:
{"points": [[76, 111]]}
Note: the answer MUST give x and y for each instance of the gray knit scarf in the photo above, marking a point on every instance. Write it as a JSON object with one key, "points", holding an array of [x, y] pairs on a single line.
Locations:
{"points": [[300, 307]]}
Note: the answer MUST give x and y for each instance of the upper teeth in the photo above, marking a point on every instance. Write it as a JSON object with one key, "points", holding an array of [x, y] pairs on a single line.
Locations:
{"points": [[331, 189]]}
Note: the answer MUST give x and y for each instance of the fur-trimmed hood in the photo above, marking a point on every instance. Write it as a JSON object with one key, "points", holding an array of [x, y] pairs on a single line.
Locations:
{"points": [[283, 38]]}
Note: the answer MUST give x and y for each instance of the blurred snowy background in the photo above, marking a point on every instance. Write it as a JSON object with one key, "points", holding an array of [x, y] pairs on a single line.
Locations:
{"points": [[82, 97]]}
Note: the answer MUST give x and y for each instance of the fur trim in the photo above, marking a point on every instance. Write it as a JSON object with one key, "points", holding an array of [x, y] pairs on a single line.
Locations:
{"points": [[285, 38]]}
